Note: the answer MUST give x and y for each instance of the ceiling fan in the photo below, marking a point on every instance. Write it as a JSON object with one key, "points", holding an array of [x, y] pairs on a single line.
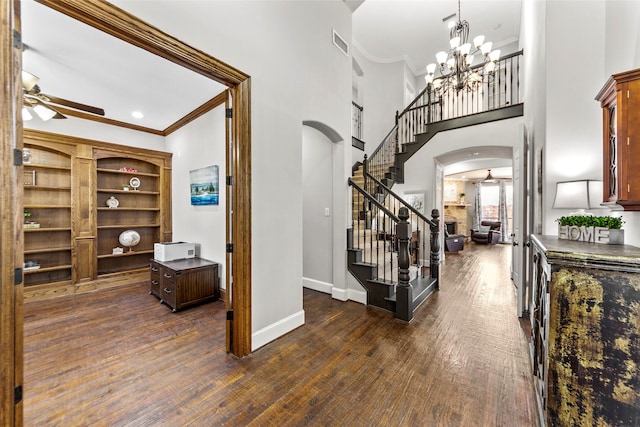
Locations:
{"points": [[41, 103]]}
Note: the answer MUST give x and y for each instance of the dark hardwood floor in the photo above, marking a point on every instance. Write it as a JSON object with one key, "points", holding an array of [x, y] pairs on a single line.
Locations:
{"points": [[119, 358]]}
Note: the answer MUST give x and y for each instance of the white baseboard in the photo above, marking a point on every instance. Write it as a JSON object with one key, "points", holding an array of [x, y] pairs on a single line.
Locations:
{"points": [[317, 285], [276, 330], [349, 294]]}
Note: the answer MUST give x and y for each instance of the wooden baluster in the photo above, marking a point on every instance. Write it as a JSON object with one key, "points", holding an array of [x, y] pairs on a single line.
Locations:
{"points": [[434, 265], [404, 290]]}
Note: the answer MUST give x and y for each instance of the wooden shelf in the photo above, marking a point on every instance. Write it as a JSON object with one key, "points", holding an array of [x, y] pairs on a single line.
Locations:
{"points": [[47, 250], [46, 188], [41, 230], [142, 268], [126, 254], [45, 269], [51, 167], [120, 208], [108, 227], [135, 192], [47, 206], [132, 174]]}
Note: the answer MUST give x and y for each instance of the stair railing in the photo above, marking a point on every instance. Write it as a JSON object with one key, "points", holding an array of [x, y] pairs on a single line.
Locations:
{"points": [[373, 230], [498, 90], [419, 224]]}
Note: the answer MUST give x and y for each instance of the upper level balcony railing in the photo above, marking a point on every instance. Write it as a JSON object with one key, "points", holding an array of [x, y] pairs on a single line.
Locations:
{"points": [[497, 90]]}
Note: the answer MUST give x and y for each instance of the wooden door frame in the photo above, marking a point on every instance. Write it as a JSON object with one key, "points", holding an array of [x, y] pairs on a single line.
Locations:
{"points": [[118, 23], [11, 241], [121, 24]]}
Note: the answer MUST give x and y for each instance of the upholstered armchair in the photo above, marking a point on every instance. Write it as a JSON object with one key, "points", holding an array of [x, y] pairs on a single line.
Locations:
{"points": [[488, 233]]}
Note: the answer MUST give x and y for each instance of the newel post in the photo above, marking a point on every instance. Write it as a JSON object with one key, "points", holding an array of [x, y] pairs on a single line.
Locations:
{"points": [[404, 290], [365, 171], [434, 265]]}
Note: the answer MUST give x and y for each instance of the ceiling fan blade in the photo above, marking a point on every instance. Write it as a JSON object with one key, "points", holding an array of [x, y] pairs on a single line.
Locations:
{"points": [[29, 81], [72, 104], [42, 109]]}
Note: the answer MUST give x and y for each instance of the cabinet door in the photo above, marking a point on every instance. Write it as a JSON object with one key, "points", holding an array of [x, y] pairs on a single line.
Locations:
{"points": [[156, 279], [540, 328], [169, 287], [629, 144]]}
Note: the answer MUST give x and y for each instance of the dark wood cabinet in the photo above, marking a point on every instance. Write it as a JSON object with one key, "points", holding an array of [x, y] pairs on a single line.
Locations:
{"points": [[585, 344], [620, 102], [184, 282]]}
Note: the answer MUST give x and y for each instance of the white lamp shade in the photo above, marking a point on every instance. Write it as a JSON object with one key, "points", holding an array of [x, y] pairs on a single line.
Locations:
{"points": [[486, 48], [469, 59], [431, 68], [495, 55], [477, 41], [465, 48], [490, 67], [441, 57], [584, 194], [428, 78], [454, 42]]}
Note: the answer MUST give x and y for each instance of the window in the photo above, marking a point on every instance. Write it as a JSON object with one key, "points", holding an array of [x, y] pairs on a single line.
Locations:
{"points": [[490, 199]]}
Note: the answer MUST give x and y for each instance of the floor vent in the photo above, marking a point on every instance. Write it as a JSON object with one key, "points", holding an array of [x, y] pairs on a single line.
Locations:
{"points": [[340, 43]]}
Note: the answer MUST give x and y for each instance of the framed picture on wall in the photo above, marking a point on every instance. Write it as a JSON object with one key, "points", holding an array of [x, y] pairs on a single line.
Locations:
{"points": [[416, 200], [205, 186]]}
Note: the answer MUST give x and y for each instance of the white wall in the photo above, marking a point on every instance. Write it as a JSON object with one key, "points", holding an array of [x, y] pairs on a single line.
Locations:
{"points": [[383, 94], [98, 131], [573, 148], [199, 144], [317, 195], [297, 74]]}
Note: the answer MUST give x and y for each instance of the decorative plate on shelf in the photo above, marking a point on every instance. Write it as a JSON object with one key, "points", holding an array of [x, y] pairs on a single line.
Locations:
{"points": [[134, 182], [112, 202]]}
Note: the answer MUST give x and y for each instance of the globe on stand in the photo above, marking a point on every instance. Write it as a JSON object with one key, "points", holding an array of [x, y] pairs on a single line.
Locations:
{"points": [[129, 238]]}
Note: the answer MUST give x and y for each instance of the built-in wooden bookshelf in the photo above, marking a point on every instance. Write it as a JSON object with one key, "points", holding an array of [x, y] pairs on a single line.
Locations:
{"points": [[47, 208], [69, 247]]}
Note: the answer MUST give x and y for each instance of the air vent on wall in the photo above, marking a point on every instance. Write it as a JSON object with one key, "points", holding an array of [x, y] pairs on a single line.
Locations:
{"points": [[340, 43]]}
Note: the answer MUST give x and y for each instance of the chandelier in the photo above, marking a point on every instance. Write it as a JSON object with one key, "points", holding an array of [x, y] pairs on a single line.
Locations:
{"points": [[455, 65]]}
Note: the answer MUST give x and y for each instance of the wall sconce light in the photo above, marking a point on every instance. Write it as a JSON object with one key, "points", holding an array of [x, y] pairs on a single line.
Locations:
{"points": [[580, 195]]}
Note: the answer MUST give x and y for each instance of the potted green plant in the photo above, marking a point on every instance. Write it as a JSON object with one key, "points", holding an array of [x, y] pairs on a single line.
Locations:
{"points": [[599, 229], [462, 199]]}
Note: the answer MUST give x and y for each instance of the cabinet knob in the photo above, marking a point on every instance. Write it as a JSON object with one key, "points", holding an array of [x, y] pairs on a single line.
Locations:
{"points": [[154, 282], [155, 269], [167, 276], [167, 290]]}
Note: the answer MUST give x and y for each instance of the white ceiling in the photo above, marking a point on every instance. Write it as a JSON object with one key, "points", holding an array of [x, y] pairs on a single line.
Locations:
{"points": [[390, 30], [79, 63]]}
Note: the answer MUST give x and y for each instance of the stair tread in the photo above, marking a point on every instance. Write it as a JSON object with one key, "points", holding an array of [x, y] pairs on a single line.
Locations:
{"points": [[364, 264], [381, 282], [419, 284]]}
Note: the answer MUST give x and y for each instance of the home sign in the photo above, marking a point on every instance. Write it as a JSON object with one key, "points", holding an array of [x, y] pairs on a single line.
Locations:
{"points": [[591, 234]]}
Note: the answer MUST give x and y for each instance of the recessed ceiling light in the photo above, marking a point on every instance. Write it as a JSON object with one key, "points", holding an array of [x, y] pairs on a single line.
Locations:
{"points": [[137, 114], [474, 154]]}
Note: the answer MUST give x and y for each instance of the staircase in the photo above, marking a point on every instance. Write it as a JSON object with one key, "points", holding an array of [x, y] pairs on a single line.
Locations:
{"points": [[387, 241]]}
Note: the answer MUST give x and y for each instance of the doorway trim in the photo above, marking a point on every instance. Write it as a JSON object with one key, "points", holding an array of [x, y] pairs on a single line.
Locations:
{"points": [[119, 23]]}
